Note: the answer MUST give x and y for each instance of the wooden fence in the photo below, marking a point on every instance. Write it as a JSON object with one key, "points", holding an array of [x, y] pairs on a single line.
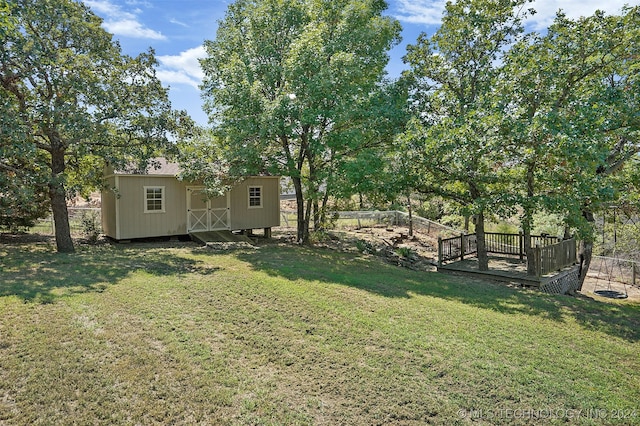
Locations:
{"points": [[362, 219], [550, 253], [554, 257]]}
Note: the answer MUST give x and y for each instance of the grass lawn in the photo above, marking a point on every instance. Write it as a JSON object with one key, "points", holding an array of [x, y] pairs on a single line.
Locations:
{"points": [[149, 334]]}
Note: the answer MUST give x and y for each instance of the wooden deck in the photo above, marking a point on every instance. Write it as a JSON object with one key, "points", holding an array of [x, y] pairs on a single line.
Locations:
{"points": [[500, 268]]}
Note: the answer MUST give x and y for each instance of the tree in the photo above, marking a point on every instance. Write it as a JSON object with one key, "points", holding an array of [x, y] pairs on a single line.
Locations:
{"points": [[77, 99], [373, 170], [454, 73], [21, 196], [23, 193], [290, 86], [567, 100]]}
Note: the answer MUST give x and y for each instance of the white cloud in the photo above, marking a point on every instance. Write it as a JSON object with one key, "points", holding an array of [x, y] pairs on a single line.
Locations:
{"points": [[546, 9], [132, 28], [429, 12], [183, 68], [120, 22], [175, 21], [137, 2]]}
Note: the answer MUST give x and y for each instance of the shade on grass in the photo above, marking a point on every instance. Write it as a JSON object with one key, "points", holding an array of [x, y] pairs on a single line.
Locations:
{"points": [[287, 335]]}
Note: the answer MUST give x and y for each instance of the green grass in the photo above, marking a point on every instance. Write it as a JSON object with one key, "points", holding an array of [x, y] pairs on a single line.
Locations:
{"points": [[146, 334]]}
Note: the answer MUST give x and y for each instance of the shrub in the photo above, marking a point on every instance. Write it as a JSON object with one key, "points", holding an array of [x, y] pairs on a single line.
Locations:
{"points": [[90, 225], [365, 247], [406, 252]]}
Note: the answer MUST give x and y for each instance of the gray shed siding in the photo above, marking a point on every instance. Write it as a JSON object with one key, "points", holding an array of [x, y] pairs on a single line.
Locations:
{"points": [[124, 217], [243, 217], [135, 223], [108, 209]]}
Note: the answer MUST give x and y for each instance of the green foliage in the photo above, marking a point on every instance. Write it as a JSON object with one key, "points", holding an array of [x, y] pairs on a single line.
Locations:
{"points": [[569, 137], [21, 207], [406, 252], [73, 102], [453, 74], [24, 196], [548, 223], [505, 228], [90, 225], [292, 88], [203, 159], [365, 247]]}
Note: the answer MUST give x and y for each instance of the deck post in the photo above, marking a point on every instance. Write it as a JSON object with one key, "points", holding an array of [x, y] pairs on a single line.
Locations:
{"points": [[537, 258], [463, 241], [439, 252], [520, 245]]}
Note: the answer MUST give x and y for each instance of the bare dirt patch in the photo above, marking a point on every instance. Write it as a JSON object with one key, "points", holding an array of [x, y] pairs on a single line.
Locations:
{"points": [[592, 285], [393, 244]]}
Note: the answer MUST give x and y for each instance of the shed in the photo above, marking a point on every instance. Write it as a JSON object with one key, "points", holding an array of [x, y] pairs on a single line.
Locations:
{"points": [[155, 203]]}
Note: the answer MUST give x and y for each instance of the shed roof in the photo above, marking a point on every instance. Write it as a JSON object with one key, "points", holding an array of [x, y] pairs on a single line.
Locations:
{"points": [[156, 166], [160, 166]]}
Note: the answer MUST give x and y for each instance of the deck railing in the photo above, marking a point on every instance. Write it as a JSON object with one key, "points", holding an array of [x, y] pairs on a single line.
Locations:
{"points": [[513, 244], [550, 253], [500, 243], [554, 257], [458, 247]]}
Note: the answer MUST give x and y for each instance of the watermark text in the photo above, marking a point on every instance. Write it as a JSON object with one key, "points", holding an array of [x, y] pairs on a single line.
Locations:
{"points": [[549, 413]]}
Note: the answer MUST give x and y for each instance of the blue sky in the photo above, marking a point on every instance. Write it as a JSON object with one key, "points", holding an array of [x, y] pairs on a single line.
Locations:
{"points": [[176, 29]]}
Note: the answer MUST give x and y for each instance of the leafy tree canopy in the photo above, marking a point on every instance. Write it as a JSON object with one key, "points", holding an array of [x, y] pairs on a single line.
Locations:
{"points": [[292, 86], [73, 100], [453, 74]]}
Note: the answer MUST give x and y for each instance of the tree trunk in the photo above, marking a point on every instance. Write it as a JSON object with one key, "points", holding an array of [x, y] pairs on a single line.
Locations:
{"points": [[483, 258], [528, 249], [585, 251], [317, 221], [302, 231], [527, 220], [323, 208], [58, 198], [529, 253], [307, 223]]}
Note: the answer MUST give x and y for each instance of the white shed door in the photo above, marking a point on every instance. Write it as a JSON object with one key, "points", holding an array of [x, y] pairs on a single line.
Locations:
{"points": [[206, 214], [219, 212]]}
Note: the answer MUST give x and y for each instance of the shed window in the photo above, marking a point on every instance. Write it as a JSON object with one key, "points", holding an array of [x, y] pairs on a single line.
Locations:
{"points": [[154, 199], [255, 197]]}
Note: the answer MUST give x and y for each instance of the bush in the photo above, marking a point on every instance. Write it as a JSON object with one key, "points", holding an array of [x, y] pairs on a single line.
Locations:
{"points": [[90, 225], [365, 247], [406, 252], [20, 208]]}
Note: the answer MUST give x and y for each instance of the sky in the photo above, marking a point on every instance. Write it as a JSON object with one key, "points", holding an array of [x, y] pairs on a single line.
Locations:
{"points": [[176, 30]]}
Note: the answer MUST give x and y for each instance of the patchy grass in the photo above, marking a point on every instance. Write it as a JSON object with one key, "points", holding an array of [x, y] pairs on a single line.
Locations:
{"points": [[147, 334]]}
